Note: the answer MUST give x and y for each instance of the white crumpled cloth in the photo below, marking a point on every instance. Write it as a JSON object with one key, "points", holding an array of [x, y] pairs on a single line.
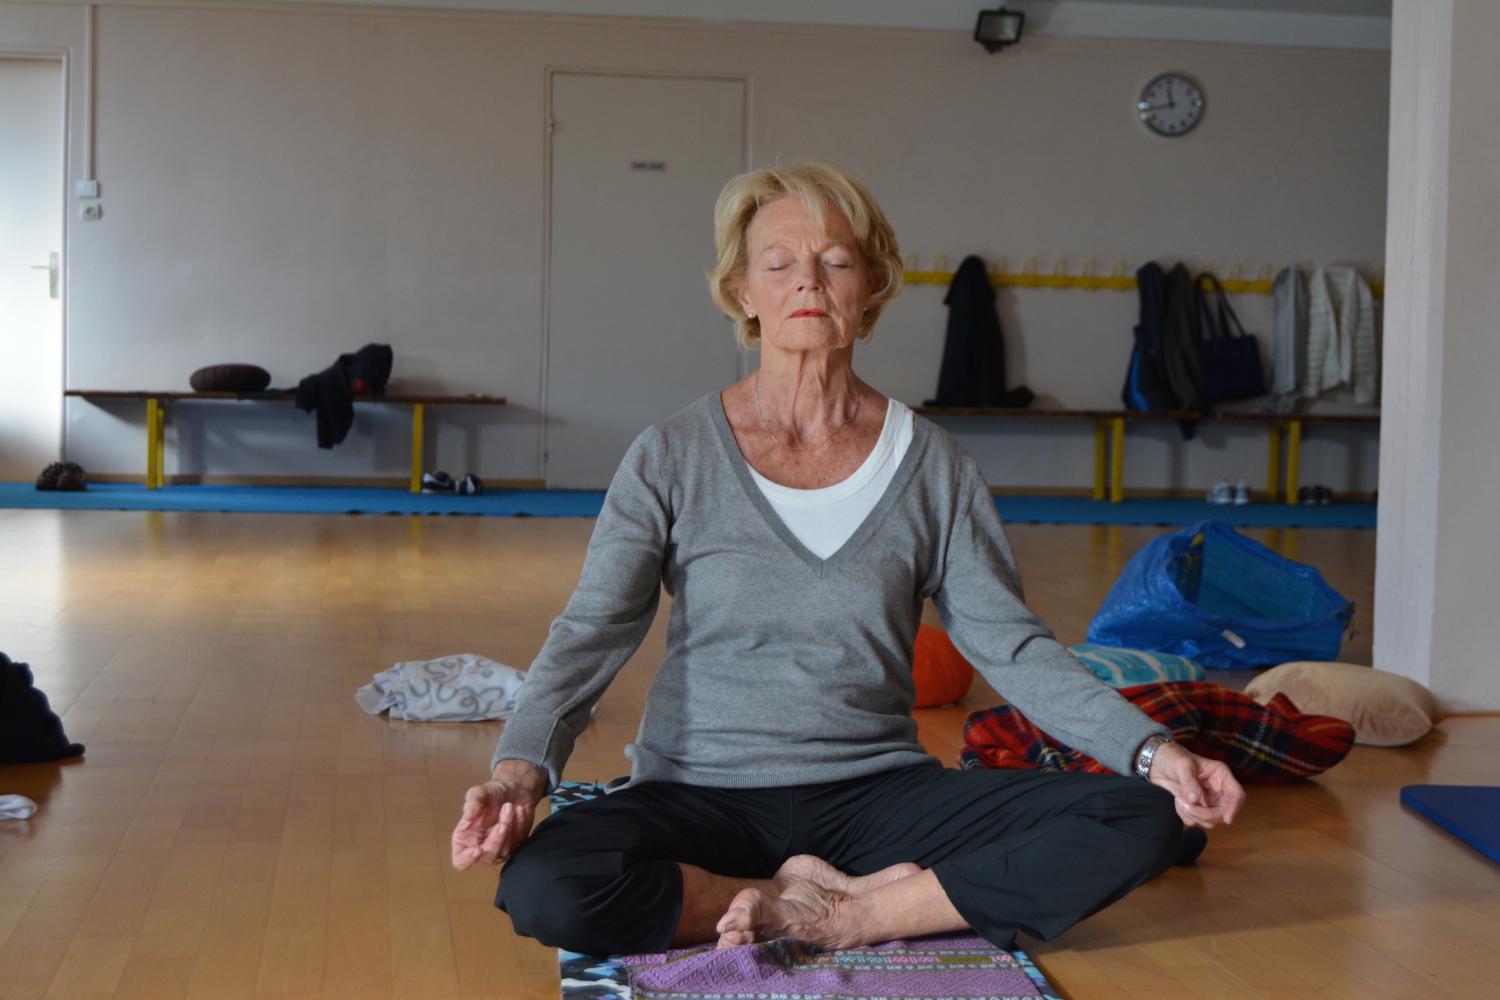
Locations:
{"points": [[463, 688], [16, 807]]}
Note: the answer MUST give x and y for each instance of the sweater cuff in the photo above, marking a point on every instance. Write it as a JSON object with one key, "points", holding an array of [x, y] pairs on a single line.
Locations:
{"points": [[1118, 754], [534, 739]]}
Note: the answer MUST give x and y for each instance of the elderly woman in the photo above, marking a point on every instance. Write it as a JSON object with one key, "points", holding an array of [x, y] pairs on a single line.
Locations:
{"points": [[800, 519]]}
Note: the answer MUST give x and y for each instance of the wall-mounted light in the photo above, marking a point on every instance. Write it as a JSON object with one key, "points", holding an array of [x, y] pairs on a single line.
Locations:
{"points": [[998, 28]]}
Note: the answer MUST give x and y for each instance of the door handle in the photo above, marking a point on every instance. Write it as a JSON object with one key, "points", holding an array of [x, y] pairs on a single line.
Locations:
{"points": [[51, 268]]}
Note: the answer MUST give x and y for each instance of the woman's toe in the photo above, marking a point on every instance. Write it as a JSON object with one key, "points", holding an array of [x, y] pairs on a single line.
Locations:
{"points": [[742, 914]]}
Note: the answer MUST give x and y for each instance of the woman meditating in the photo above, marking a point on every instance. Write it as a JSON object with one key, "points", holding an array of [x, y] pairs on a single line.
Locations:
{"points": [[799, 519]]}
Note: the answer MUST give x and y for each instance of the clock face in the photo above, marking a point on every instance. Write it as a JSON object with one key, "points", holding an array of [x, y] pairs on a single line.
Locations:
{"points": [[1170, 105]]}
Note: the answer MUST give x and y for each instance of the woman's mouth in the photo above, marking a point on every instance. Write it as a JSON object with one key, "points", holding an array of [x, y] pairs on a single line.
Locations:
{"points": [[800, 313]]}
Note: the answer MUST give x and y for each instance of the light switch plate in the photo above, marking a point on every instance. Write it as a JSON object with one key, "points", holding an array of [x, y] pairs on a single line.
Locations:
{"points": [[87, 189]]}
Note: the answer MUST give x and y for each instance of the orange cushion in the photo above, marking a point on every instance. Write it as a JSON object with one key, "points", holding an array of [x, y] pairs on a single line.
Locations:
{"points": [[941, 673]]}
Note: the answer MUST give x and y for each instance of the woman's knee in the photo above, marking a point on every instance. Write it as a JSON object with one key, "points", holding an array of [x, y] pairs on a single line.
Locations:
{"points": [[1157, 829], [565, 905]]}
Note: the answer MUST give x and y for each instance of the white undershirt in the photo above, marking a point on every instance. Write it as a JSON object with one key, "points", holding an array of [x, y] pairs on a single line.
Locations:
{"points": [[824, 519]]}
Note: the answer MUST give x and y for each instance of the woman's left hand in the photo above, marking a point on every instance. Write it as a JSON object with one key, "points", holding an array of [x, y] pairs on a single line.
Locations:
{"points": [[1206, 793]]}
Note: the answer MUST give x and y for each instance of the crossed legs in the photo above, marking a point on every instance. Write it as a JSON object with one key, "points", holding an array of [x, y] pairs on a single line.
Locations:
{"points": [[927, 849]]}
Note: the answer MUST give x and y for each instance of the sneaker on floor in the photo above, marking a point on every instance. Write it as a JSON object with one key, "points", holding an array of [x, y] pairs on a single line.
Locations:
{"points": [[48, 479], [437, 482], [470, 485], [1241, 493], [72, 478], [1222, 493], [1324, 495], [1307, 496]]}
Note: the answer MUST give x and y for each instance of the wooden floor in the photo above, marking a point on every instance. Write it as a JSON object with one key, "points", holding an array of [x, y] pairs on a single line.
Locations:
{"points": [[240, 828]]}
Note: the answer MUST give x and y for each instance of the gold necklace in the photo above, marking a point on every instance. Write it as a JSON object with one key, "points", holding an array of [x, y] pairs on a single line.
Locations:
{"points": [[794, 447]]}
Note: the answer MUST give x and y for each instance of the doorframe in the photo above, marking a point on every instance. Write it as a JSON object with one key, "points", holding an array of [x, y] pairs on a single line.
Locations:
{"points": [[551, 72], [63, 56]]}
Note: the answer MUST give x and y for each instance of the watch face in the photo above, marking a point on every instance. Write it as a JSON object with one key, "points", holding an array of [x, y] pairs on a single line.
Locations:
{"points": [[1170, 105]]}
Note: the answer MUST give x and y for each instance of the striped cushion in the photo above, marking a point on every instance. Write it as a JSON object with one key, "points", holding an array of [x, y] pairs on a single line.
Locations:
{"points": [[1127, 667]]}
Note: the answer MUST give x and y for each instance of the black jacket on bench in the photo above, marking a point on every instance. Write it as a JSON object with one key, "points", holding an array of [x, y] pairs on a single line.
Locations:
{"points": [[331, 391]]}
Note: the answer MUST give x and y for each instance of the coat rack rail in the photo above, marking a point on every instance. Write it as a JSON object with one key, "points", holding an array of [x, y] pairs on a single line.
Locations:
{"points": [[1119, 280]]}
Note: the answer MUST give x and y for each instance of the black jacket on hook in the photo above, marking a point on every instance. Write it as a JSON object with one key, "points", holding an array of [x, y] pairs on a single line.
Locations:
{"points": [[973, 368]]}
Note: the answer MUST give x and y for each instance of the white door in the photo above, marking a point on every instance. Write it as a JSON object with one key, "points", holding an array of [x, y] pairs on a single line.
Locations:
{"points": [[632, 334], [31, 207]]}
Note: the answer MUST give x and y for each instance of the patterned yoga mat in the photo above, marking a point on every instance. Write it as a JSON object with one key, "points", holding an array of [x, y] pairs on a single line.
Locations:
{"points": [[946, 967]]}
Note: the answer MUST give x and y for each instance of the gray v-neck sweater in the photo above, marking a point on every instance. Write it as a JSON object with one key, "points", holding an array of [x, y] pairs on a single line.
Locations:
{"points": [[782, 668]]}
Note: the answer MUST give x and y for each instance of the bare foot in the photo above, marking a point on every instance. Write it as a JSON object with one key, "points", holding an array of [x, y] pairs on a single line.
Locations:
{"points": [[809, 868], [804, 910]]}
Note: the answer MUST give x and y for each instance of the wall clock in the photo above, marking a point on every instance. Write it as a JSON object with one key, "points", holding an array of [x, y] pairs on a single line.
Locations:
{"points": [[1170, 105]]}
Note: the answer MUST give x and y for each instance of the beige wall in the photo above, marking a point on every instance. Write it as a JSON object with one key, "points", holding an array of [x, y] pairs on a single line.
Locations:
{"points": [[282, 185]]}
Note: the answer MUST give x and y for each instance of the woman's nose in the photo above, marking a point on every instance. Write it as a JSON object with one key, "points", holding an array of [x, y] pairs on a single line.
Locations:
{"points": [[809, 276]]}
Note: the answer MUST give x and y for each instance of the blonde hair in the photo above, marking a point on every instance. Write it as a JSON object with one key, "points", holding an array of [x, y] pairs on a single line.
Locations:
{"points": [[819, 185]]}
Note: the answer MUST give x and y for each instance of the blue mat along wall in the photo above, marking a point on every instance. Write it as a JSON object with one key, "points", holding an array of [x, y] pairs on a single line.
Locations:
{"points": [[570, 503]]}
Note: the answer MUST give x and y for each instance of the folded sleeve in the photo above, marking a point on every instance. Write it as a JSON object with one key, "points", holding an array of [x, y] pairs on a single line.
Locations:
{"points": [[981, 603], [605, 619]]}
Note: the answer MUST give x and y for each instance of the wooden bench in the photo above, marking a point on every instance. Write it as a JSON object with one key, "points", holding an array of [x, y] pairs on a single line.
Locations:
{"points": [[156, 416], [1109, 438]]}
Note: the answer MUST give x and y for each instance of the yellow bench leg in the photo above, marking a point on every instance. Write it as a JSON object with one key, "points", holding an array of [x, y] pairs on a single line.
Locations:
{"points": [[1293, 459], [1273, 463], [161, 444], [1117, 461], [1101, 444], [153, 417], [418, 420]]}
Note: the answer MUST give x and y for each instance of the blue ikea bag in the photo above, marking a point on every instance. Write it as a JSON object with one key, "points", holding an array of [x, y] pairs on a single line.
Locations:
{"points": [[1212, 595]]}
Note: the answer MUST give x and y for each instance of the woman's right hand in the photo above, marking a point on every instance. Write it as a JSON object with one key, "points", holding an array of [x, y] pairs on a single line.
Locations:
{"points": [[498, 814]]}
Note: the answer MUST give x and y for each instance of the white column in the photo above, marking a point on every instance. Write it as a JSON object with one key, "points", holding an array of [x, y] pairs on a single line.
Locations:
{"points": [[1437, 577]]}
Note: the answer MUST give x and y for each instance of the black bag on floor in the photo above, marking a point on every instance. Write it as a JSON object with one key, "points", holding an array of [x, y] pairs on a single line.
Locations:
{"points": [[30, 732], [1229, 357]]}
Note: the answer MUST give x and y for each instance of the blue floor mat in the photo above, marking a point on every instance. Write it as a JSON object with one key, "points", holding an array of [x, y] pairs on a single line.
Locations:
{"points": [[1081, 510], [586, 503], [1469, 812], [307, 500]]}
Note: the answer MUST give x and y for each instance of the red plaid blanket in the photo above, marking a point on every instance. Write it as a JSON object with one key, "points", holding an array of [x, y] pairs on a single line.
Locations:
{"points": [[1269, 744]]}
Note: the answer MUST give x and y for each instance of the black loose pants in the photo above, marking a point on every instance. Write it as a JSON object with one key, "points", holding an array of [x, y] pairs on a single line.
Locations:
{"points": [[1014, 850]]}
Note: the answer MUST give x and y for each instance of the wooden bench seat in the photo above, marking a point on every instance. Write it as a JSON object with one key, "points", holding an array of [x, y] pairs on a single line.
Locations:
{"points": [[1109, 438], [156, 416]]}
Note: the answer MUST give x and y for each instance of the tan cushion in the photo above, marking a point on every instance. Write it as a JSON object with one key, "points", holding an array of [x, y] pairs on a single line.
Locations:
{"points": [[1385, 709]]}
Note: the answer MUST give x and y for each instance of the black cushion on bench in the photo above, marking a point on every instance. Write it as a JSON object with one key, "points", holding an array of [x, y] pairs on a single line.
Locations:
{"points": [[230, 378]]}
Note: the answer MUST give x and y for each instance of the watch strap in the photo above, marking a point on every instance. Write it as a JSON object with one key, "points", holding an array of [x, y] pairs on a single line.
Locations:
{"points": [[1147, 754]]}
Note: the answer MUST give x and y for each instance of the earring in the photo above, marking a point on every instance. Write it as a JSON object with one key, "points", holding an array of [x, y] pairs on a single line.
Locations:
{"points": [[750, 313]]}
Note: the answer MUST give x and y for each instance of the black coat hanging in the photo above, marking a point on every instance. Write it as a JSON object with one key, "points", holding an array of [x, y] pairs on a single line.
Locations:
{"points": [[973, 368]]}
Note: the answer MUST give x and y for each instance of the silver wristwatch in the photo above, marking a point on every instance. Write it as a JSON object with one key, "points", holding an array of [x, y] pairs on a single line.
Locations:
{"points": [[1147, 754]]}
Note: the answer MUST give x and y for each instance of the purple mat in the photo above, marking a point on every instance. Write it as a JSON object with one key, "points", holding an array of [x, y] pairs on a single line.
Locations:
{"points": [[949, 967]]}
